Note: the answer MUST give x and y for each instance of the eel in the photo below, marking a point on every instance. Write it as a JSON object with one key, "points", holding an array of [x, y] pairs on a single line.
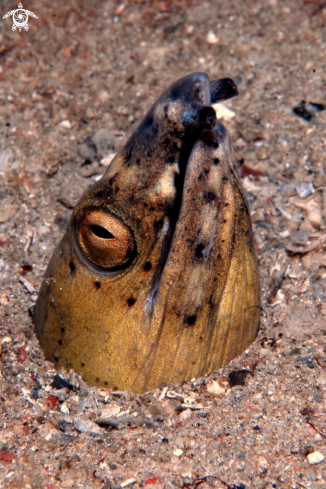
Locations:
{"points": [[156, 281]]}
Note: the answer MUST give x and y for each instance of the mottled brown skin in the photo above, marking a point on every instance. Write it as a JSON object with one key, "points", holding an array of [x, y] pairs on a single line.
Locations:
{"points": [[183, 297]]}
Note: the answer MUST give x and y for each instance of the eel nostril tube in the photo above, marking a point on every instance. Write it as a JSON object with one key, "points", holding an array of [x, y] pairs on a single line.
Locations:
{"points": [[223, 89]]}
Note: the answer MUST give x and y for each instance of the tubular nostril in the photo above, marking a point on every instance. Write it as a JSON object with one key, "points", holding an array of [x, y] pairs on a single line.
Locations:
{"points": [[101, 232]]}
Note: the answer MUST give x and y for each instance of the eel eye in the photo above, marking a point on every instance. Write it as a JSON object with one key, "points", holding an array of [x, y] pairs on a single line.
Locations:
{"points": [[104, 239]]}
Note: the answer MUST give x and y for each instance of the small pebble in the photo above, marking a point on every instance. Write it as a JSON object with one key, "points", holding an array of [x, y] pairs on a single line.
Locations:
{"points": [[223, 112], [211, 38], [87, 151], [64, 408], [304, 189], [86, 426], [315, 218], [299, 237], [5, 159], [110, 411], [215, 389], [66, 124], [185, 415], [104, 141], [315, 458], [28, 286], [321, 379], [128, 482], [177, 452]]}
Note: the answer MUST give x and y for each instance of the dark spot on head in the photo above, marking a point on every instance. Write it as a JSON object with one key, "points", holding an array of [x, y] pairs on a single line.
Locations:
{"points": [[149, 121], [97, 379], [203, 175], [216, 161], [82, 364], [97, 285], [147, 266], [131, 301], [171, 159], [209, 196], [62, 330], [60, 342], [199, 250], [210, 141], [226, 204], [72, 269], [166, 108], [56, 359], [191, 319], [106, 383], [115, 388], [128, 157], [138, 161], [201, 338], [225, 179], [111, 181], [158, 224], [224, 220], [222, 240]]}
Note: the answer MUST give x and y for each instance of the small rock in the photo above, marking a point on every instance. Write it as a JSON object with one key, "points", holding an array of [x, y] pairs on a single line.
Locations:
{"points": [[66, 124], [211, 38], [238, 377], [315, 218], [87, 171], [156, 410], [28, 286], [5, 212], [185, 415], [304, 189], [110, 411], [215, 389], [168, 408], [315, 458], [64, 408], [109, 423], [177, 452], [223, 112], [299, 237], [86, 426], [7, 456], [104, 141], [87, 150], [108, 159], [321, 379], [6, 157], [128, 482], [3, 300], [72, 189], [59, 382], [302, 112]]}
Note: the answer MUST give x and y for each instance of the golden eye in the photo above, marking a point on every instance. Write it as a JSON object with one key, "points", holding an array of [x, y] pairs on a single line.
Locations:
{"points": [[104, 239]]}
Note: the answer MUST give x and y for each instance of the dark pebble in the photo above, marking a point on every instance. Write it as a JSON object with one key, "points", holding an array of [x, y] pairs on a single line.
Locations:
{"points": [[238, 377], [302, 112], [59, 383]]}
